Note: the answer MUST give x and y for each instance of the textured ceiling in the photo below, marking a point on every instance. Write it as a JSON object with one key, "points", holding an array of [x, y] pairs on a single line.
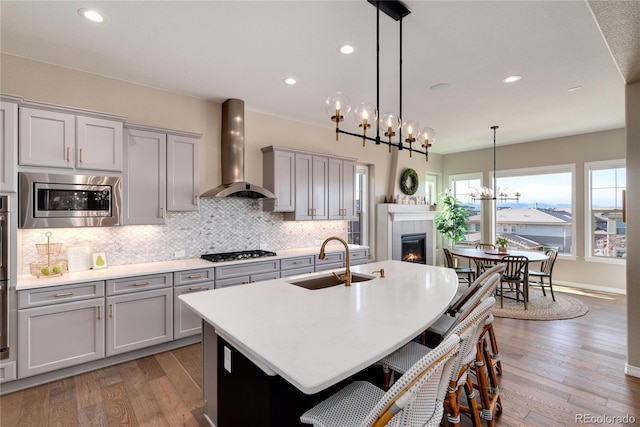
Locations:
{"points": [[619, 22]]}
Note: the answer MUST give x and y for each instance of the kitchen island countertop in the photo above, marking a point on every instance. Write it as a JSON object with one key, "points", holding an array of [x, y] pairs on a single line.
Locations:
{"points": [[316, 338]]}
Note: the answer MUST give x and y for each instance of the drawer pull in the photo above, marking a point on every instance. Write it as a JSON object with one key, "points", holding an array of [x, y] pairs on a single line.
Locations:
{"points": [[141, 284], [194, 277], [63, 294], [195, 288], [296, 262]]}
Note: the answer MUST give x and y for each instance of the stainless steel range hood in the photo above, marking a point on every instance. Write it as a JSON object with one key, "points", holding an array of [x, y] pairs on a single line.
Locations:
{"points": [[232, 146]]}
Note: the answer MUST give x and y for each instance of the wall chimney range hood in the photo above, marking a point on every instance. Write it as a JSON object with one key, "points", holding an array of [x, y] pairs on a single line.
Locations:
{"points": [[232, 157]]}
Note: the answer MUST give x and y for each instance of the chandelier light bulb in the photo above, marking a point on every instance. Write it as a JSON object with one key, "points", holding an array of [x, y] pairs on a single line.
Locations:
{"points": [[337, 106], [364, 114]]}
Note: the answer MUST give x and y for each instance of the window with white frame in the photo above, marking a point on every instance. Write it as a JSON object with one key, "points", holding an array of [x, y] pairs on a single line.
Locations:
{"points": [[606, 233], [542, 217], [357, 229], [430, 189], [461, 186]]}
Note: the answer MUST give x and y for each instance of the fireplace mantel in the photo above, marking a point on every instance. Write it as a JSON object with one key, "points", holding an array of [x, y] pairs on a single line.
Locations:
{"points": [[391, 218]]}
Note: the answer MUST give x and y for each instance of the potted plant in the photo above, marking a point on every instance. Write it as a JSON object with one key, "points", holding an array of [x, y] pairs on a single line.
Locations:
{"points": [[502, 244], [451, 221]]}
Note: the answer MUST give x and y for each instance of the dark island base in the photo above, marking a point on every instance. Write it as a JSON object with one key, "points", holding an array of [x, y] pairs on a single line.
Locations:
{"points": [[249, 397]]}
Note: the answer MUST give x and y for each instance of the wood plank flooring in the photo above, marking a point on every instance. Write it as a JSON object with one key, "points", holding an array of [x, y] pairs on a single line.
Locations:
{"points": [[554, 372]]}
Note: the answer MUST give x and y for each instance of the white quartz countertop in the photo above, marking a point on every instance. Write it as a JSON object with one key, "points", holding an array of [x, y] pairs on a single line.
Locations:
{"points": [[27, 281], [316, 338]]}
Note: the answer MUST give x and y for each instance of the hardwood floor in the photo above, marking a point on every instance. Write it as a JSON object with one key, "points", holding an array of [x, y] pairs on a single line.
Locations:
{"points": [[554, 372]]}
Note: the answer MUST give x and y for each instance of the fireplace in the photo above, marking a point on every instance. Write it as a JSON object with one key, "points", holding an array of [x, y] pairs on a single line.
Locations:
{"points": [[394, 221], [413, 248]]}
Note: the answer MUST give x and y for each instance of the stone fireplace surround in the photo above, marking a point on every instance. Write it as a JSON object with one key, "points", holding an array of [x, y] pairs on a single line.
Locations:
{"points": [[394, 220]]}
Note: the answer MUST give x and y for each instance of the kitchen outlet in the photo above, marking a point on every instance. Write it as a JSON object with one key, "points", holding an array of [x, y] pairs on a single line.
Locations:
{"points": [[227, 359], [178, 254]]}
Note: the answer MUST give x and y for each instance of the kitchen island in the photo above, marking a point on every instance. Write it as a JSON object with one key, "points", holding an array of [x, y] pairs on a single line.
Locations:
{"points": [[272, 348]]}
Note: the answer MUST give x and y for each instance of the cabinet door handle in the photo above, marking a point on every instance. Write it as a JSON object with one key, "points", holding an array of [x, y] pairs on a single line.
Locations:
{"points": [[110, 310], [140, 284], [81, 155], [195, 199], [68, 154], [99, 312], [296, 262], [194, 277], [195, 288], [161, 212], [63, 294]]}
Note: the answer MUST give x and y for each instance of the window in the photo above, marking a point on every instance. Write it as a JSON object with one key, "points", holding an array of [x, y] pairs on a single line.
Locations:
{"points": [[542, 217], [357, 229], [606, 234], [430, 189], [460, 187]]}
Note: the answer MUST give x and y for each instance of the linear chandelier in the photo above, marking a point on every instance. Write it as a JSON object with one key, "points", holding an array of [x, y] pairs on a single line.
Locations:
{"points": [[503, 193], [338, 105]]}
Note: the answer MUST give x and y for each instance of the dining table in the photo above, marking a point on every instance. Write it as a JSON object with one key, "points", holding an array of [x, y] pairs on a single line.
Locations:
{"points": [[496, 256]]}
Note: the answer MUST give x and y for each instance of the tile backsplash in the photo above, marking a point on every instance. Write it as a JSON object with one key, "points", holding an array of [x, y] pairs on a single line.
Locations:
{"points": [[221, 225]]}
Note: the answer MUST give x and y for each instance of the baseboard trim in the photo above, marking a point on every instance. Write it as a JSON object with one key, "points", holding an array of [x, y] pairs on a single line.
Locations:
{"points": [[27, 382], [634, 371], [591, 287]]}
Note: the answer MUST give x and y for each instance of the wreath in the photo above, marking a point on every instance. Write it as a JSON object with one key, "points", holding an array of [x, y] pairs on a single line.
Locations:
{"points": [[407, 175]]}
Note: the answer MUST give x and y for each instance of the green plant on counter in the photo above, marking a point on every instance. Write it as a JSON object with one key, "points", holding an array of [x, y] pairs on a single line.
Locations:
{"points": [[451, 221], [502, 242]]}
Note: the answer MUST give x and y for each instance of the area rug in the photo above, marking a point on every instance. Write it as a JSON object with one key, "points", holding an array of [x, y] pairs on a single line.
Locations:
{"points": [[540, 307]]}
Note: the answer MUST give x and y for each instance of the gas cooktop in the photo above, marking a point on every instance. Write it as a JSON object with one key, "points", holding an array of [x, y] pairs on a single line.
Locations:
{"points": [[235, 256]]}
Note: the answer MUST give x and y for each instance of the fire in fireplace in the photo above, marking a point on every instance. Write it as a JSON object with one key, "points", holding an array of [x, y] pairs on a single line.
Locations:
{"points": [[413, 248]]}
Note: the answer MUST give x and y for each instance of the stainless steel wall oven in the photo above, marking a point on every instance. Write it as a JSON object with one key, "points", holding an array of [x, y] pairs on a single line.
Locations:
{"points": [[54, 200], [4, 277]]}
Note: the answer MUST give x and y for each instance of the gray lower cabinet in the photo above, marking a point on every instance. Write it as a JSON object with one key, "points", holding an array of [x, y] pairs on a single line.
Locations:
{"points": [[185, 321], [331, 261], [243, 273], [138, 320], [359, 256], [60, 335], [297, 265]]}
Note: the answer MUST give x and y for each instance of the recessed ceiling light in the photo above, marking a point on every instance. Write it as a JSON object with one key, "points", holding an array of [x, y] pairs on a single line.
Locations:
{"points": [[511, 79], [289, 81], [91, 14], [440, 86], [573, 89], [346, 49]]}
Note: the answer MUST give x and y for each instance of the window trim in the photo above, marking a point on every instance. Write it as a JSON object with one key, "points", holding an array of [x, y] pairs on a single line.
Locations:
{"points": [[588, 236], [546, 170]]}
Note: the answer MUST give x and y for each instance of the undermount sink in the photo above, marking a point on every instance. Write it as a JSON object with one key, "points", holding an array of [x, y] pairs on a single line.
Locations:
{"points": [[322, 282]]}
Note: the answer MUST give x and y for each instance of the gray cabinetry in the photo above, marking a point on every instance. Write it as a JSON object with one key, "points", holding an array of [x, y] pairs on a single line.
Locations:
{"points": [[161, 174], [359, 256], [138, 320], [311, 180], [341, 189], [185, 321], [60, 327], [145, 185], [243, 273], [52, 136], [183, 176], [297, 265], [278, 171], [331, 261], [8, 145], [127, 285]]}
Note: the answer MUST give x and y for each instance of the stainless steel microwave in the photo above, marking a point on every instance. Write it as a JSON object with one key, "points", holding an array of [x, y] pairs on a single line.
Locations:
{"points": [[55, 200]]}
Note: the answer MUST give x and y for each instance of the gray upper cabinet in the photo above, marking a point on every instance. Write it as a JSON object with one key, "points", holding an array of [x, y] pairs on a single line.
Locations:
{"points": [[278, 169], [145, 172], [341, 189], [311, 180], [8, 145], [183, 176], [161, 174], [55, 137]]}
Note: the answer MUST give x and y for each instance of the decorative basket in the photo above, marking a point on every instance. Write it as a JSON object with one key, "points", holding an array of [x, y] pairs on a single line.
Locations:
{"points": [[48, 248], [57, 267]]}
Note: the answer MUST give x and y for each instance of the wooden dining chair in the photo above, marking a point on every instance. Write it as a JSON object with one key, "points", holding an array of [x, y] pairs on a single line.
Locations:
{"points": [[460, 271], [515, 274], [536, 277], [481, 264]]}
